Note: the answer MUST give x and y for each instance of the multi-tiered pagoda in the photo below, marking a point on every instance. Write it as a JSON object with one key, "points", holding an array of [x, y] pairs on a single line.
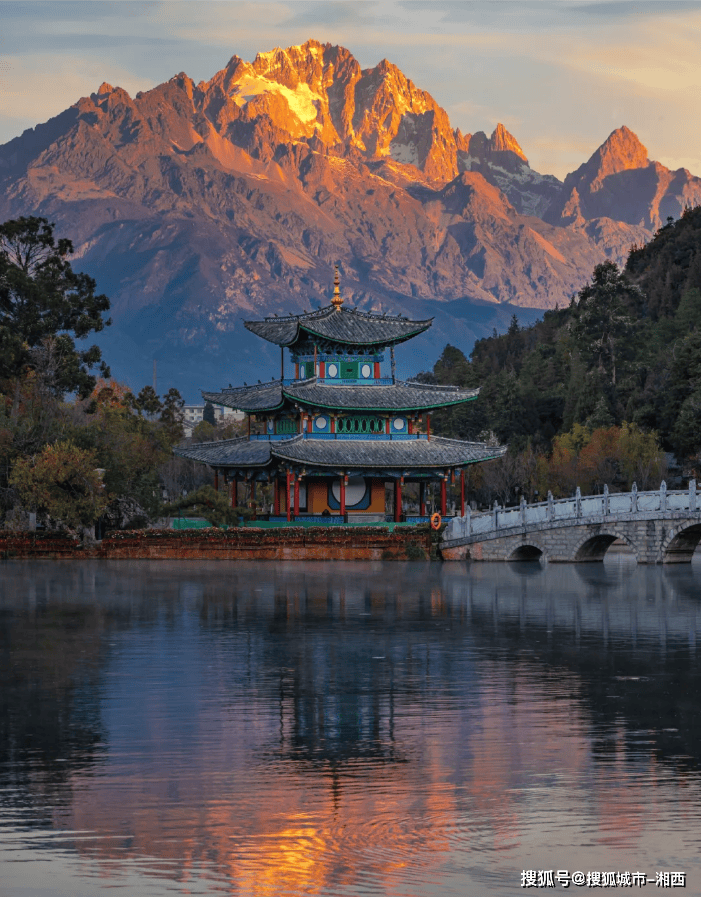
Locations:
{"points": [[332, 437]]}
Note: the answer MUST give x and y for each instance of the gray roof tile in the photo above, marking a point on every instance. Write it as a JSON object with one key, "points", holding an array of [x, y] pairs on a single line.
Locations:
{"points": [[400, 396], [344, 325], [260, 397], [229, 452], [376, 454], [437, 452]]}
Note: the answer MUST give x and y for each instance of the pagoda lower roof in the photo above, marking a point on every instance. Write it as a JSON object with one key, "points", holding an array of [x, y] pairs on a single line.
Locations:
{"points": [[312, 393], [338, 325], [334, 454], [437, 452]]}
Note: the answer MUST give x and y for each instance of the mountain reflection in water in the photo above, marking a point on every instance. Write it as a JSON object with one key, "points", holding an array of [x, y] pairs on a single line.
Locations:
{"points": [[271, 729]]}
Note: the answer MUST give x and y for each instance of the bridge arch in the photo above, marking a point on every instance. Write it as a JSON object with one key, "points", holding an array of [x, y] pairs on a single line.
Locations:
{"points": [[593, 548], [680, 544], [527, 551]]}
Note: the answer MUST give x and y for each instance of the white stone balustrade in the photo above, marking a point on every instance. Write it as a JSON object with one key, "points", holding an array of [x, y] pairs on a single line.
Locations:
{"points": [[568, 511]]}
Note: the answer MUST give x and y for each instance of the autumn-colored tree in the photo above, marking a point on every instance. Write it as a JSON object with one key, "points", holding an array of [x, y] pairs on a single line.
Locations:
{"points": [[129, 447], [62, 482], [599, 460], [613, 456], [641, 459]]}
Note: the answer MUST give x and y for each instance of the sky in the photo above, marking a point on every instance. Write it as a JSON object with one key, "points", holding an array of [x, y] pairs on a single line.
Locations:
{"points": [[559, 75]]}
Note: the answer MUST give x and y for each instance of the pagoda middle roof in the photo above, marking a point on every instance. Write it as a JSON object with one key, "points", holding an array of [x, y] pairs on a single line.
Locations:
{"points": [[399, 396], [338, 325], [238, 452], [257, 397]]}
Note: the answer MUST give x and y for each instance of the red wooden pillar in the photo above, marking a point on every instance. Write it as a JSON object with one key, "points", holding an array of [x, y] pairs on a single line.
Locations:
{"points": [[387, 426], [216, 480], [276, 496], [288, 504], [411, 427], [297, 479], [377, 370], [234, 492], [422, 498], [444, 498], [398, 500], [343, 494], [462, 492]]}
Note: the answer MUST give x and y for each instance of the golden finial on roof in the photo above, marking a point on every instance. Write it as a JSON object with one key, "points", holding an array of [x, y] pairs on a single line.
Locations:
{"points": [[337, 300]]}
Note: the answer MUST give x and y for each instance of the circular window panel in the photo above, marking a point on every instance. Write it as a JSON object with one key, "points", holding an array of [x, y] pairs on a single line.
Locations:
{"points": [[398, 423], [301, 372], [270, 425], [320, 423], [366, 370], [332, 370], [355, 491]]}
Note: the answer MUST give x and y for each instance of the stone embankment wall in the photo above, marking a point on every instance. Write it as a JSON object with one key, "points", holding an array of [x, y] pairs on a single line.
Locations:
{"points": [[295, 544]]}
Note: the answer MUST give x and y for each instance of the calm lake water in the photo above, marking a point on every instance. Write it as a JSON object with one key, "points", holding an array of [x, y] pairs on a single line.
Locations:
{"points": [[346, 728]]}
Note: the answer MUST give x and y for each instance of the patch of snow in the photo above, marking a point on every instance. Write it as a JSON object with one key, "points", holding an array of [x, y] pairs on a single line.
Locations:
{"points": [[406, 153], [301, 100], [468, 161]]}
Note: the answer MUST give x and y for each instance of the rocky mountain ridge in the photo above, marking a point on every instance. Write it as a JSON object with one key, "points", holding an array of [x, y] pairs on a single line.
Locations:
{"points": [[197, 204]]}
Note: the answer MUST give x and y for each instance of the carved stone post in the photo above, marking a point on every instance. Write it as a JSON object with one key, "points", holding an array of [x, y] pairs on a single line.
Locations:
{"points": [[578, 502], [606, 499], [468, 520], [663, 496], [634, 498], [551, 506], [523, 511], [495, 514], [692, 495]]}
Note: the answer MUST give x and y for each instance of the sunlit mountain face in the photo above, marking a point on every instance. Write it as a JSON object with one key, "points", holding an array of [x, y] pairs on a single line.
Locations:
{"points": [[195, 206]]}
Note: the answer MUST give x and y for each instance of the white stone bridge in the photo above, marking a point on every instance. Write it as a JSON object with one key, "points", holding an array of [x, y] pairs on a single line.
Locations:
{"points": [[661, 527]]}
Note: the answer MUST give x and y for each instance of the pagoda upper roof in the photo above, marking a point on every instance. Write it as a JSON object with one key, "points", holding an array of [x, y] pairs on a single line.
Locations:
{"points": [[399, 396], [349, 454], [346, 326]]}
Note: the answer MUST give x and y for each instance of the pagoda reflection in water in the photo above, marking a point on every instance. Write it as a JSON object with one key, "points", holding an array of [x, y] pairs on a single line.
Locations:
{"points": [[336, 433]]}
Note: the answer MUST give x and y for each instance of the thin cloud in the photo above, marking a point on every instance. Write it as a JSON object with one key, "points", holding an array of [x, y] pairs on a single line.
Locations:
{"points": [[27, 93]]}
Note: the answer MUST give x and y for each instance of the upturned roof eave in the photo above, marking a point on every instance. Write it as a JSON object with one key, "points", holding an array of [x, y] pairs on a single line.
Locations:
{"points": [[229, 401], [285, 344]]}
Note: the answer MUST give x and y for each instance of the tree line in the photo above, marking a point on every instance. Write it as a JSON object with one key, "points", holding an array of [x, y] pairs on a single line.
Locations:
{"points": [[604, 390], [75, 446]]}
